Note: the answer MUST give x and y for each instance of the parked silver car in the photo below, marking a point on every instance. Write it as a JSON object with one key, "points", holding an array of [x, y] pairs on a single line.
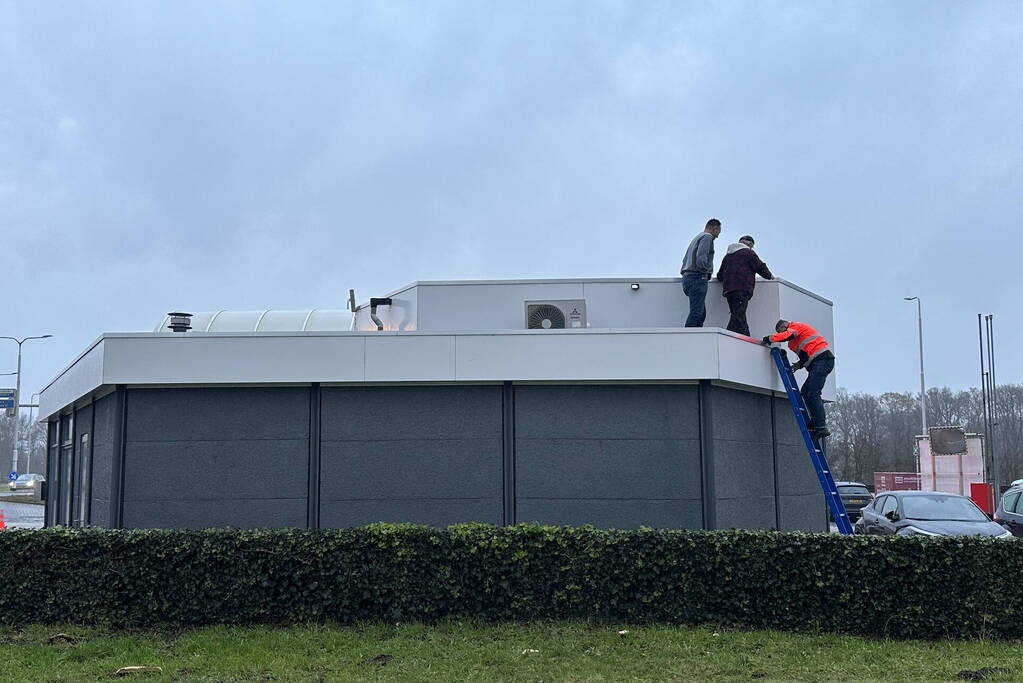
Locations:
{"points": [[1010, 511], [27, 482]]}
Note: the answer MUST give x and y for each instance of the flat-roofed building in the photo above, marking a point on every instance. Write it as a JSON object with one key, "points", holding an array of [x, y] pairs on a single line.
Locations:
{"points": [[577, 401]]}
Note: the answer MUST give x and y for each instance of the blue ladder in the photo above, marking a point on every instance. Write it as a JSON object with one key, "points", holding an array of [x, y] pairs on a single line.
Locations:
{"points": [[813, 445]]}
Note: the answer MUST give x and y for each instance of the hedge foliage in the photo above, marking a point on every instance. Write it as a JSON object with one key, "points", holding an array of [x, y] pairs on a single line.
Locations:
{"points": [[901, 587]]}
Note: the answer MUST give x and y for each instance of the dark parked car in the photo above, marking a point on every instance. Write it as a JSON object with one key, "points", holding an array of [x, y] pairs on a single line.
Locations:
{"points": [[27, 482], [927, 513], [1010, 511], [855, 497]]}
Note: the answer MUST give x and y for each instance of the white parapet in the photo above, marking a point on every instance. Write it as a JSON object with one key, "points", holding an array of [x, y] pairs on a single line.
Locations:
{"points": [[457, 332]]}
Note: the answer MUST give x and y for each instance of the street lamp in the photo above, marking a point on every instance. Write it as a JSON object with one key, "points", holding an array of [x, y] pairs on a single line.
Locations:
{"points": [[923, 390], [33, 404], [17, 396]]}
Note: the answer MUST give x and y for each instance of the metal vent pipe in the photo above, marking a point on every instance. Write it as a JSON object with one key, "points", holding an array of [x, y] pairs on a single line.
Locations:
{"points": [[180, 322]]}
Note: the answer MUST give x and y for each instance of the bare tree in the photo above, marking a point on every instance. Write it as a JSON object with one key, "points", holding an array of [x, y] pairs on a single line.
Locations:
{"points": [[877, 433], [33, 443]]}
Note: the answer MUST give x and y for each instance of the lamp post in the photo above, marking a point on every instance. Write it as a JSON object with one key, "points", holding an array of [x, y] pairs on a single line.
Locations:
{"points": [[923, 389], [17, 396], [33, 404]]}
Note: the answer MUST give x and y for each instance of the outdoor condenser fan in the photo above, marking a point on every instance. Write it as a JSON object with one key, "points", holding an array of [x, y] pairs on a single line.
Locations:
{"points": [[546, 317]]}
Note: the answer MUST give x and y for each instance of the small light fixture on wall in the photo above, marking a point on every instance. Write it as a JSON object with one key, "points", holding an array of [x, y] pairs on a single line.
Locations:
{"points": [[634, 286]]}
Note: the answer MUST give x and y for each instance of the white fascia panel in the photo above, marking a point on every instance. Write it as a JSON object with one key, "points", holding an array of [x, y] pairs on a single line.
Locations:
{"points": [[587, 356], [80, 378], [417, 358], [194, 359], [746, 363]]}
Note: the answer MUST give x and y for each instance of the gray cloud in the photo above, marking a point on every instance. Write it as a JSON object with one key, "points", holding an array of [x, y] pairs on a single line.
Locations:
{"points": [[238, 155]]}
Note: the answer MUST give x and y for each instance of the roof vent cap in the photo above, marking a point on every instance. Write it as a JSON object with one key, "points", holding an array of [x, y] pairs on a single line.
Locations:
{"points": [[180, 322]]}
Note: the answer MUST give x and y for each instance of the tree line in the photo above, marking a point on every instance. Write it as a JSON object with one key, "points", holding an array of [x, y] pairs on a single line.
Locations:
{"points": [[33, 445], [876, 433]]}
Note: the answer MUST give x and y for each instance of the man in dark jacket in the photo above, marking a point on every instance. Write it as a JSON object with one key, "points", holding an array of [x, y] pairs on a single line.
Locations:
{"points": [[738, 276]]}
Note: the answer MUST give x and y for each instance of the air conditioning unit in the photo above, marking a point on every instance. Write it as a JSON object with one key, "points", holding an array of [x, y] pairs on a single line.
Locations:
{"points": [[556, 315]]}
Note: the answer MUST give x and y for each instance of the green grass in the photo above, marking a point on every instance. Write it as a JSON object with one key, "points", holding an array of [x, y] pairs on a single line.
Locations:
{"points": [[564, 651]]}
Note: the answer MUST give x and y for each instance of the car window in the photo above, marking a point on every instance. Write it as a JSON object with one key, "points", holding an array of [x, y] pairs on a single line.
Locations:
{"points": [[939, 506], [890, 503], [1019, 505], [853, 490], [1009, 501]]}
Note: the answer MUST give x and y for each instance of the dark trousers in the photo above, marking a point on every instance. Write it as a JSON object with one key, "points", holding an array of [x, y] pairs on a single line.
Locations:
{"points": [[816, 374], [737, 303], [695, 287]]}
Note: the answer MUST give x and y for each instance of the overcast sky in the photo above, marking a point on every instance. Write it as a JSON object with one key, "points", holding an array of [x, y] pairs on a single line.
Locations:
{"points": [[241, 155]]}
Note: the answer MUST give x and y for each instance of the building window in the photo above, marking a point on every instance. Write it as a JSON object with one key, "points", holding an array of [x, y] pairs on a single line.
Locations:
{"points": [[83, 498], [66, 483], [53, 453]]}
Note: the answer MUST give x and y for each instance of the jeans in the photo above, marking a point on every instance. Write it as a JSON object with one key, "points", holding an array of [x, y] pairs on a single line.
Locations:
{"points": [[816, 374], [737, 303], [695, 287]]}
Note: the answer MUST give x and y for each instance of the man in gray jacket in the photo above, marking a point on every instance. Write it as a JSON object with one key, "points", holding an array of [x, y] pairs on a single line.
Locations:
{"points": [[697, 269]]}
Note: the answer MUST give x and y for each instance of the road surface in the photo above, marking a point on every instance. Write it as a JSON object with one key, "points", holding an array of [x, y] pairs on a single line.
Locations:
{"points": [[22, 515]]}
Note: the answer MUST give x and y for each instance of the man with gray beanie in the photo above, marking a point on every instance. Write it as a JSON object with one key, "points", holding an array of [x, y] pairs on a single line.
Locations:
{"points": [[738, 276]]}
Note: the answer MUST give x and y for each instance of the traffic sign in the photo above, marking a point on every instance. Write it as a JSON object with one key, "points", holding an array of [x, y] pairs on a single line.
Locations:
{"points": [[12, 476], [7, 398]]}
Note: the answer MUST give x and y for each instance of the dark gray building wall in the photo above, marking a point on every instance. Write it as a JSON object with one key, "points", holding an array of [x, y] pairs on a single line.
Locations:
{"points": [[425, 454], [801, 503], [216, 457], [102, 460], [743, 454], [608, 455]]}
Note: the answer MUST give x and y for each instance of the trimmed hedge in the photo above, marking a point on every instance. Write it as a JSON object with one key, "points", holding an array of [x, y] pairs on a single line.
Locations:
{"points": [[893, 586]]}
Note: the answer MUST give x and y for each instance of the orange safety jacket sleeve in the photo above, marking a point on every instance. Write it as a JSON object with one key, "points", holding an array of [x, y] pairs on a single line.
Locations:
{"points": [[783, 336]]}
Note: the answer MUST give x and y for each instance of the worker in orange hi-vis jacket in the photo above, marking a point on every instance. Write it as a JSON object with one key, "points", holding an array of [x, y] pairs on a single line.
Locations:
{"points": [[814, 355]]}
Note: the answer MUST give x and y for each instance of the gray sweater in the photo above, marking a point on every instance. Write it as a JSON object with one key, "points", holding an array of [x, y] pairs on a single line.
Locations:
{"points": [[699, 256]]}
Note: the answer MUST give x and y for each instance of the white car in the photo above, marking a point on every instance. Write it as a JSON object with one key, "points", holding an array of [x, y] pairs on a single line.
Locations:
{"points": [[27, 482]]}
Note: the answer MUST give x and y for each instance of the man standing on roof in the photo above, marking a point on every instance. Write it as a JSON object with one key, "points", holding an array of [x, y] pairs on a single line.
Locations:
{"points": [[697, 269], [816, 357], [738, 276]]}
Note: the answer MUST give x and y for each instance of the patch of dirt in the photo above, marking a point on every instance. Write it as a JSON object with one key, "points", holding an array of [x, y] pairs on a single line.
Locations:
{"points": [[982, 673], [379, 660]]}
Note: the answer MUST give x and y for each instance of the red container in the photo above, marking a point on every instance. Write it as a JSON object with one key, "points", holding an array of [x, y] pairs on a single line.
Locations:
{"points": [[984, 496], [896, 481]]}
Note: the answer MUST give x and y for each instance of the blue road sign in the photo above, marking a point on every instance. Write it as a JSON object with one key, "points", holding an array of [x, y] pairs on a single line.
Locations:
{"points": [[12, 476], [6, 398]]}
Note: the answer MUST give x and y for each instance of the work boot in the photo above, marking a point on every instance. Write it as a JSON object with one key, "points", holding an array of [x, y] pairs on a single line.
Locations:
{"points": [[821, 433]]}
